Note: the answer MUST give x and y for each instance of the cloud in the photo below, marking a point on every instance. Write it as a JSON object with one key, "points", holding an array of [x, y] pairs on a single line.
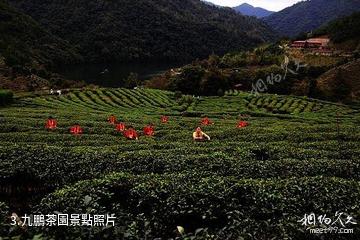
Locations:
{"points": [[274, 5]]}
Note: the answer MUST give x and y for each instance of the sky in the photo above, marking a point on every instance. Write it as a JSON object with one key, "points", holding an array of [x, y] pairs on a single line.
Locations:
{"points": [[273, 5]]}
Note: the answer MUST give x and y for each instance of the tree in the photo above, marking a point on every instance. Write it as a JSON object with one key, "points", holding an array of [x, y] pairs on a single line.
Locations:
{"points": [[212, 82], [188, 81], [132, 81], [343, 90]]}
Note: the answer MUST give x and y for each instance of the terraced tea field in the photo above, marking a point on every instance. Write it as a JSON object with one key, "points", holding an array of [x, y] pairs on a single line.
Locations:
{"points": [[298, 156]]}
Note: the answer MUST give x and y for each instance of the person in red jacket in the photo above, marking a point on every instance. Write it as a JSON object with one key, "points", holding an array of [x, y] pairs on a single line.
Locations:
{"points": [[242, 124], [51, 124], [164, 119], [131, 134], [120, 127], [206, 121], [112, 119], [76, 130], [149, 130]]}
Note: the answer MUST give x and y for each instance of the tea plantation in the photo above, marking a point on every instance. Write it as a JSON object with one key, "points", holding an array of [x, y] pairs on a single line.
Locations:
{"points": [[298, 156]]}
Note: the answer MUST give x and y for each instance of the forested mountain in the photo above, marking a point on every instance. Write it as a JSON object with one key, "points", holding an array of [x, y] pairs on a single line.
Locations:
{"points": [[28, 52], [249, 10], [146, 29], [342, 29], [210, 3], [309, 15], [342, 82], [24, 42]]}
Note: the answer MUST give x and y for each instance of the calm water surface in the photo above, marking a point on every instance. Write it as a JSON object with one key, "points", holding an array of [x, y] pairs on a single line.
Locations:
{"points": [[112, 75]]}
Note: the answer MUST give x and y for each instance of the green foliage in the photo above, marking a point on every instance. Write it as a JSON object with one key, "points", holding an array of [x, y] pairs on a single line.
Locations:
{"points": [[343, 89], [24, 42], [107, 30], [244, 70], [253, 182], [14, 57], [342, 29], [185, 100], [4, 218], [220, 92], [194, 79], [212, 76], [6, 97], [132, 81], [212, 82], [224, 206], [178, 95], [188, 81], [265, 55]]}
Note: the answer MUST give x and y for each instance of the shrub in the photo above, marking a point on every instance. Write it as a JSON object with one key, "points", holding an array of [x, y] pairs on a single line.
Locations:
{"points": [[178, 95], [132, 81], [6, 97], [4, 211], [260, 209], [260, 179], [220, 93]]}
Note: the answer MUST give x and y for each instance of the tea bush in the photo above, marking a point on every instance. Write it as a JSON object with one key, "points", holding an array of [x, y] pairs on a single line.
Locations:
{"points": [[296, 156], [225, 206]]}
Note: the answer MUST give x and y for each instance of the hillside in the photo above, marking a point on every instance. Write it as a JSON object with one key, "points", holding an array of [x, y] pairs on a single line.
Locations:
{"points": [[309, 15], [343, 32], [24, 42], [146, 29], [28, 52], [242, 70], [249, 10], [341, 83]]}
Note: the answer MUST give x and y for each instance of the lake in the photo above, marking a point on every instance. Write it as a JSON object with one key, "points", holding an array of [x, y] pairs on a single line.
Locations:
{"points": [[112, 75]]}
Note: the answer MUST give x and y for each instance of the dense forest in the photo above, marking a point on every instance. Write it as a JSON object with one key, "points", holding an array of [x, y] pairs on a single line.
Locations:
{"points": [[309, 15], [28, 53], [243, 71], [24, 42], [215, 75], [333, 78], [343, 29], [146, 29]]}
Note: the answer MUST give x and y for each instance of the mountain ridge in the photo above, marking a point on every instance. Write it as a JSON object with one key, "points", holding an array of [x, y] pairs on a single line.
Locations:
{"points": [[249, 10], [307, 16]]}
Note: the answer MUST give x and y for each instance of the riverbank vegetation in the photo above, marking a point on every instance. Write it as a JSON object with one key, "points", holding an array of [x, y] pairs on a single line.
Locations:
{"points": [[242, 71]]}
